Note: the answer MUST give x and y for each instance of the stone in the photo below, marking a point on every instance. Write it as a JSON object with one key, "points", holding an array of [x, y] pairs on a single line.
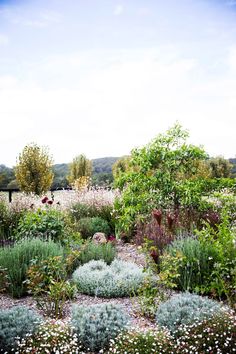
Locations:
{"points": [[99, 237]]}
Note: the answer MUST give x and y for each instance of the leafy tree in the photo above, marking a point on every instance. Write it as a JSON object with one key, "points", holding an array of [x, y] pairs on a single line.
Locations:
{"points": [[34, 169], [80, 167], [161, 176], [220, 167], [120, 166]]}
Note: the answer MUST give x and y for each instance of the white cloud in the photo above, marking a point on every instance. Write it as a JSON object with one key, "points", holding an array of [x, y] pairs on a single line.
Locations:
{"points": [[122, 103], [119, 9]]}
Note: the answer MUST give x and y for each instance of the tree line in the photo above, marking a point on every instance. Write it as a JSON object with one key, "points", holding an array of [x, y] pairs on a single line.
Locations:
{"points": [[36, 172]]}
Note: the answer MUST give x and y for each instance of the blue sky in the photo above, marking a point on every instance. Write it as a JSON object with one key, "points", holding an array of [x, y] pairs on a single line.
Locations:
{"points": [[101, 77]]}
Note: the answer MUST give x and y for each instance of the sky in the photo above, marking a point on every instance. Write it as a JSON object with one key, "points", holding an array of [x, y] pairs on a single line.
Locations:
{"points": [[101, 77]]}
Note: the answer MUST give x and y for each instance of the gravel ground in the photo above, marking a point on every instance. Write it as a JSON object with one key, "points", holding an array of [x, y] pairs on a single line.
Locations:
{"points": [[127, 252]]}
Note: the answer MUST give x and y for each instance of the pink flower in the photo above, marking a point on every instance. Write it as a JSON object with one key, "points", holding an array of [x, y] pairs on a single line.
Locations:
{"points": [[50, 202]]}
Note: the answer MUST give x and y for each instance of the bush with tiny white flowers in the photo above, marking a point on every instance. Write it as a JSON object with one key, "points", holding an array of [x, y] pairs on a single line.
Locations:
{"points": [[54, 337], [133, 342], [212, 335]]}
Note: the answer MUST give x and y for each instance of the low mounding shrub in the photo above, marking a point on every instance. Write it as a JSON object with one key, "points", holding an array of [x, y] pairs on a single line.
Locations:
{"points": [[88, 226], [44, 223], [212, 335], [17, 259], [16, 322], [96, 325], [117, 280], [56, 337], [185, 309], [133, 342], [93, 251]]}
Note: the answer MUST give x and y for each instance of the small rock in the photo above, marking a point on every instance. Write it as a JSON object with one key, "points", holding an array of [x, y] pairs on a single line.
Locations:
{"points": [[99, 237]]}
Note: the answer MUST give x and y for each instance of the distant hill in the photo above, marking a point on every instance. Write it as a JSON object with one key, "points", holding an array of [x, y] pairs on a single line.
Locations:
{"points": [[101, 175]]}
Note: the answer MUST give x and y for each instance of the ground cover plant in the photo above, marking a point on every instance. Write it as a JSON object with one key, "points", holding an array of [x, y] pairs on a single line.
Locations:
{"points": [[133, 341], [51, 337], [117, 280]]}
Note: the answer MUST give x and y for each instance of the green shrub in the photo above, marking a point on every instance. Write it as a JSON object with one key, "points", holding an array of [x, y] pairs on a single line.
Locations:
{"points": [[93, 251], [16, 322], [57, 337], [185, 309], [117, 280], [133, 342], [96, 325], [45, 224], [196, 265], [83, 210], [211, 335], [88, 226], [17, 259], [47, 282]]}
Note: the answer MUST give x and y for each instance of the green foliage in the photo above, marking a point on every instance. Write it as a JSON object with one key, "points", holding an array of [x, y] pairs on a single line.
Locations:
{"points": [[56, 337], [219, 167], [96, 325], [34, 170], [83, 210], [45, 224], [16, 322], [89, 226], [160, 176], [195, 266], [216, 334], [117, 280], [185, 309], [9, 219], [79, 167], [133, 342], [92, 251], [17, 259], [221, 239], [47, 282]]}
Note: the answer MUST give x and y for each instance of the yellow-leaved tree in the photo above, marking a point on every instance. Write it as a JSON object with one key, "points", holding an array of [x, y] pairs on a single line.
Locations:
{"points": [[80, 172], [33, 171]]}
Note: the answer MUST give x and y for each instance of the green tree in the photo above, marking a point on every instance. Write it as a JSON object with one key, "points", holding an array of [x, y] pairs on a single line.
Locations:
{"points": [[80, 167], [160, 176], [34, 169], [220, 167]]}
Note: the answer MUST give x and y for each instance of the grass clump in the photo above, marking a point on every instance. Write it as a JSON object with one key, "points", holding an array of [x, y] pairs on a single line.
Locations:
{"points": [[17, 260]]}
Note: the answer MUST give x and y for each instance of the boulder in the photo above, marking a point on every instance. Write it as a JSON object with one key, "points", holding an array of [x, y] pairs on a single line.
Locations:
{"points": [[99, 237]]}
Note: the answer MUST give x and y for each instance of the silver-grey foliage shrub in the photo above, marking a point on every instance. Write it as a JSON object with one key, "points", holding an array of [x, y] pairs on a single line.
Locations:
{"points": [[96, 325], [16, 322], [117, 280], [185, 308]]}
